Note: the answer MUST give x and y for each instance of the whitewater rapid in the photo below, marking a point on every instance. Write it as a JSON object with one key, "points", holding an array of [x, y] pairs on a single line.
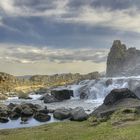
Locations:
{"points": [[100, 88]]}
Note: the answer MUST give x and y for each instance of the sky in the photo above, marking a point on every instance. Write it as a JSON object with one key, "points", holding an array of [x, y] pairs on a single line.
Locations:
{"points": [[62, 36]]}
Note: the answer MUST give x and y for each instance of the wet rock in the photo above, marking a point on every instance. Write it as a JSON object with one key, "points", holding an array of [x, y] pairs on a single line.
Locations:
{"points": [[61, 113], [31, 106], [26, 98], [83, 95], [27, 112], [17, 109], [78, 114], [118, 94], [45, 110], [51, 110], [14, 116], [41, 117], [62, 94], [11, 106], [4, 119], [109, 82], [24, 120], [50, 99], [3, 113]]}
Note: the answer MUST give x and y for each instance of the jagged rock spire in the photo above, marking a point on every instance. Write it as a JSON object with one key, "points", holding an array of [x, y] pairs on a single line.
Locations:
{"points": [[122, 61]]}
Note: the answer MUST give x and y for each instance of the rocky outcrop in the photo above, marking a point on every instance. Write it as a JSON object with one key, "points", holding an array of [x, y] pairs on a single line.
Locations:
{"points": [[63, 79], [118, 94], [57, 95], [117, 99], [122, 61], [23, 111]]}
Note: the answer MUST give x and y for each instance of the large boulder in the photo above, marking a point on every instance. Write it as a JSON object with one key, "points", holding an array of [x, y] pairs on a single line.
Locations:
{"points": [[41, 117], [117, 99], [49, 98], [63, 94], [61, 113], [78, 114], [118, 94]]}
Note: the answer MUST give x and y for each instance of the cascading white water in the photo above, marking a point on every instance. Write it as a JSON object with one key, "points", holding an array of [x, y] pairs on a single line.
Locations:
{"points": [[98, 89]]}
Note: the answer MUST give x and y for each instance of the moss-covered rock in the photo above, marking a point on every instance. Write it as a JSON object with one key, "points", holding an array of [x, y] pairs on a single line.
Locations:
{"points": [[124, 115]]}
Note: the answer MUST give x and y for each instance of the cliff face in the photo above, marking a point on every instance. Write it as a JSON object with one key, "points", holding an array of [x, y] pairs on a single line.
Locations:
{"points": [[122, 61]]}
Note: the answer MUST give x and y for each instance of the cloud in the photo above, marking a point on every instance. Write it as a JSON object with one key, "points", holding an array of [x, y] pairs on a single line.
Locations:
{"points": [[121, 15], [33, 7], [29, 54]]}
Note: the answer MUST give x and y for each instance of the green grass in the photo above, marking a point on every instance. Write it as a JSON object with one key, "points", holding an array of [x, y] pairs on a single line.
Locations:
{"points": [[74, 131]]}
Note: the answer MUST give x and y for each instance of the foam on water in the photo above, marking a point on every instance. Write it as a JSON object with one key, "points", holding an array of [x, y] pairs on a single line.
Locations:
{"points": [[98, 89]]}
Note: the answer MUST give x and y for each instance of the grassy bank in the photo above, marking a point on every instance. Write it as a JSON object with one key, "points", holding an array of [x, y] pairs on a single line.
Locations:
{"points": [[75, 131]]}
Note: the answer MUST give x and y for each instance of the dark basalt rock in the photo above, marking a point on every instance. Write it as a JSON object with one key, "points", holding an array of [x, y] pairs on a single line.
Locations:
{"points": [[45, 110], [49, 98], [62, 94], [78, 114], [61, 114], [11, 106], [3, 113], [83, 95], [115, 100], [17, 109], [109, 82], [14, 116], [27, 112], [41, 117], [4, 119], [118, 94]]}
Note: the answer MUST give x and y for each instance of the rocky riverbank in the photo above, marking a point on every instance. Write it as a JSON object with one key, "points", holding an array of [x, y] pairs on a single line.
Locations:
{"points": [[118, 116], [11, 85]]}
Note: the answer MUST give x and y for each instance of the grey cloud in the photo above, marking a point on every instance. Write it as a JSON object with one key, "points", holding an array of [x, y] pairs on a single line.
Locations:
{"points": [[39, 5], [87, 12], [33, 55]]}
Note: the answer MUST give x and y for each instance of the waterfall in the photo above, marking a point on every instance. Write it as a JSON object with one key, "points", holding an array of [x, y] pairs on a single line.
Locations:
{"points": [[99, 89]]}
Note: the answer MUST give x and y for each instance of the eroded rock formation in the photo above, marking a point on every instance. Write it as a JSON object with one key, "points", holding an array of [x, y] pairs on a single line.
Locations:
{"points": [[122, 61]]}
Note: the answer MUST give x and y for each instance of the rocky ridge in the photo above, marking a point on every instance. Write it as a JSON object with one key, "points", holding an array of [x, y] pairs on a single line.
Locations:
{"points": [[10, 83], [122, 61]]}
